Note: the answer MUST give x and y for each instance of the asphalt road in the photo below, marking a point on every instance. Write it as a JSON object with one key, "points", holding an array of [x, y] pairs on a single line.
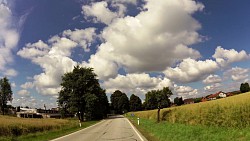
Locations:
{"points": [[116, 128]]}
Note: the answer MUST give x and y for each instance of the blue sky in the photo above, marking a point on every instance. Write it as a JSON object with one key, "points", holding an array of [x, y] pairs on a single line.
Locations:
{"points": [[194, 47]]}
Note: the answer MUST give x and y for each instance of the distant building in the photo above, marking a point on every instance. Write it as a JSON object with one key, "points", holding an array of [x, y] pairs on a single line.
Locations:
{"points": [[188, 101], [38, 113]]}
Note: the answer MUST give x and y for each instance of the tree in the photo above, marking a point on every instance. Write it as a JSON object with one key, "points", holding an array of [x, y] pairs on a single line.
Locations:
{"points": [[5, 93], [81, 94], [163, 101], [244, 87], [178, 101], [135, 103], [119, 102], [151, 101]]}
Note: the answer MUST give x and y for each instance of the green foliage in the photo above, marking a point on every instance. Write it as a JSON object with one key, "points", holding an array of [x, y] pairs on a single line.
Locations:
{"points": [[119, 102], [158, 98], [5, 93], [244, 87], [178, 101], [135, 103], [81, 93], [166, 131], [197, 100]]}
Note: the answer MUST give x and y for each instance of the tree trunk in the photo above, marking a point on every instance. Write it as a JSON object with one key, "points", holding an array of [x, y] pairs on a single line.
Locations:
{"points": [[158, 114]]}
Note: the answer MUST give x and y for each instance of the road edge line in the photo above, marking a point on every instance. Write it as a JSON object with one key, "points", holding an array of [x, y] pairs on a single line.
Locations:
{"points": [[135, 130], [77, 131]]}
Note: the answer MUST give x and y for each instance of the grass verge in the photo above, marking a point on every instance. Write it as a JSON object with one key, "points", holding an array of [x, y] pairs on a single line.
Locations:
{"points": [[166, 131]]}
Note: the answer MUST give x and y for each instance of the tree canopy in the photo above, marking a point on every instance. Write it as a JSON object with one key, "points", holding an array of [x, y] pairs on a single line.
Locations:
{"points": [[119, 102], [244, 87], [81, 94], [178, 101], [135, 103], [5, 93]]}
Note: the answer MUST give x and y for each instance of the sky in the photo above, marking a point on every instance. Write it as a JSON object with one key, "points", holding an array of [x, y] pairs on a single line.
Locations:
{"points": [[195, 48]]}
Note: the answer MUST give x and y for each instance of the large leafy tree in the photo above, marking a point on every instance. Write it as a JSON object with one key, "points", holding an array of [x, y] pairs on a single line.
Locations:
{"points": [[158, 99], [135, 103], [119, 102], [178, 101], [5, 93], [244, 87], [81, 94]]}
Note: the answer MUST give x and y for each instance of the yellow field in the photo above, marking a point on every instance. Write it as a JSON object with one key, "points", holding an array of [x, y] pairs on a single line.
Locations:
{"points": [[19, 126], [233, 111]]}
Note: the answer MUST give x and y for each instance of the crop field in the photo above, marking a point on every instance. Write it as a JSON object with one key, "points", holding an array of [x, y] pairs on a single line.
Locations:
{"points": [[13, 126], [232, 112]]}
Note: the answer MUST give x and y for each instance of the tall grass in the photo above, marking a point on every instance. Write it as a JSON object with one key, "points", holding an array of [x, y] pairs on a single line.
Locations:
{"points": [[13, 126], [227, 112]]}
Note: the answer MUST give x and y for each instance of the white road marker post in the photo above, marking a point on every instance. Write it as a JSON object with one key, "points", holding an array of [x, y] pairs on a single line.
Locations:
{"points": [[80, 124], [138, 121]]}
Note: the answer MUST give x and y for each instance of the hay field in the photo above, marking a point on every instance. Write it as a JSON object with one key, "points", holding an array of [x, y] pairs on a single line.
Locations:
{"points": [[13, 126], [232, 112]]}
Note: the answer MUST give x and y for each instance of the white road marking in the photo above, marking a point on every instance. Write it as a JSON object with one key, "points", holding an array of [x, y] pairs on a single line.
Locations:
{"points": [[135, 130], [78, 131]]}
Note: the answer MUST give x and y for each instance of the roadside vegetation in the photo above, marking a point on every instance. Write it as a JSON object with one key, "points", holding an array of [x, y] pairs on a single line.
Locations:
{"points": [[13, 128], [222, 119]]}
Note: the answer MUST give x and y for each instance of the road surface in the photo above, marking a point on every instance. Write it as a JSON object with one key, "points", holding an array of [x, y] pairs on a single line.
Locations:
{"points": [[116, 128]]}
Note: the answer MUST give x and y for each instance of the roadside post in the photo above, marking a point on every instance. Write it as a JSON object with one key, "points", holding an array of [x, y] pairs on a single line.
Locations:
{"points": [[138, 121], [80, 124]]}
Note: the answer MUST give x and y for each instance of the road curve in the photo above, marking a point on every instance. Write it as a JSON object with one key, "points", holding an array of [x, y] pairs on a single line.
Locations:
{"points": [[116, 128]]}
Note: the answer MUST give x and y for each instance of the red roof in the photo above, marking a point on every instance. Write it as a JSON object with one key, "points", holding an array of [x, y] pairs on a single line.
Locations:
{"points": [[214, 95]]}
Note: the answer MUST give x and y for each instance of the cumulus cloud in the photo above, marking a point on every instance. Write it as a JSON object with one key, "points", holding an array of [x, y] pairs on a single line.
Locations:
{"points": [[54, 58], [136, 83], [9, 38], [191, 70], [100, 12], [185, 91], [212, 79], [237, 74], [213, 88], [138, 44], [23, 93], [225, 57], [27, 85]]}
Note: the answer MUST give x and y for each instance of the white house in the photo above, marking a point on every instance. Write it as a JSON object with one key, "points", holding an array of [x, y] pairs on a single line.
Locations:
{"points": [[222, 94]]}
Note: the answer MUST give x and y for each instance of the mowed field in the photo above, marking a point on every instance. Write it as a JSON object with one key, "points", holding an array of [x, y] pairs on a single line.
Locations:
{"points": [[222, 119]]}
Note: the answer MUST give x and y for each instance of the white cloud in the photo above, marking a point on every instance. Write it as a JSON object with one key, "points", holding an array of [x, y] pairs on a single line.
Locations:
{"points": [[10, 72], [185, 91], [212, 79], [84, 37], [136, 83], [13, 84], [191, 70], [100, 12], [23, 93], [237, 74], [27, 85], [138, 44], [225, 57], [9, 38], [54, 58], [213, 88]]}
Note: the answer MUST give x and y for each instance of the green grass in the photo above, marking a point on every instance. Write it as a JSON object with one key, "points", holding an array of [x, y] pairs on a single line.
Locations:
{"points": [[226, 119], [233, 112], [166, 131], [19, 129]]}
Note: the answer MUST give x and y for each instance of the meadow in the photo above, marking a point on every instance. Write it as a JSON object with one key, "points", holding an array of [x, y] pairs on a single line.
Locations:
{"points": [[13, 128], [222, 119], [232, 111]]}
